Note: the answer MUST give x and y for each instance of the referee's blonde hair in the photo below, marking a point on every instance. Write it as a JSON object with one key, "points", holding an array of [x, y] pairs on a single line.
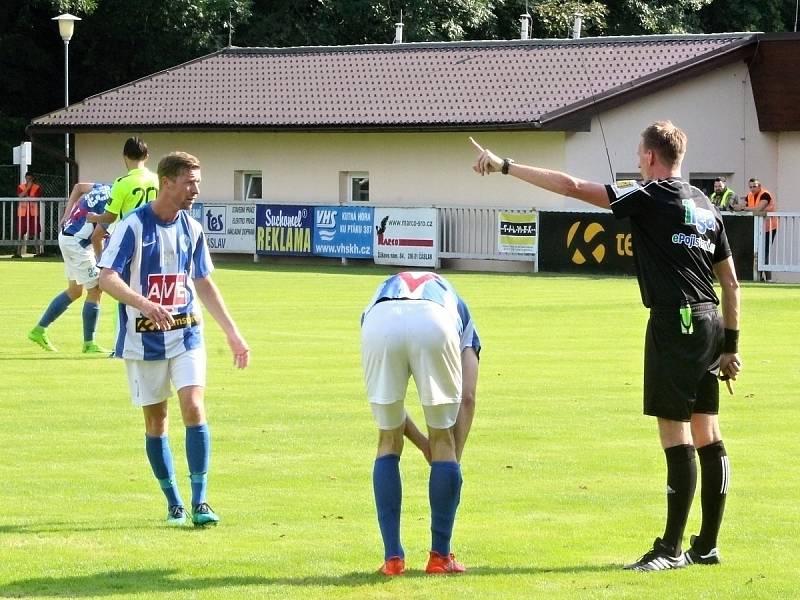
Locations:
{"points": [[667, 140]]}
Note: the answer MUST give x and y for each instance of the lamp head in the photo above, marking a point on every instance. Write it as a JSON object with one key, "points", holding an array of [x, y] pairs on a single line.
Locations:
{"points": [[66, 25]]}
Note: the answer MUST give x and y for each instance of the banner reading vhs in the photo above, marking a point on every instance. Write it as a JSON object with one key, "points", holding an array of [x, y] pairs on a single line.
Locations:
{"points": [[406, 236], [283, 229], [229, 227], [343, 231], [516, 233]]}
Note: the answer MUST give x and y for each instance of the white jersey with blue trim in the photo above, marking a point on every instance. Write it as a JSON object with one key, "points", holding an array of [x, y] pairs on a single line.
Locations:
{"points": [[93, 201], [159, 261], [424, 285]]}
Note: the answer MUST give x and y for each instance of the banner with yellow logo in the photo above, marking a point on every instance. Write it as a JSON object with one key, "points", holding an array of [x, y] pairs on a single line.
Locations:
{"points": [[516, 233]]}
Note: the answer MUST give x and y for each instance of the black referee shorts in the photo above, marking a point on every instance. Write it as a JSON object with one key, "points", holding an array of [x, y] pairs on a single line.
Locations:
{"points": [[680, 370]]}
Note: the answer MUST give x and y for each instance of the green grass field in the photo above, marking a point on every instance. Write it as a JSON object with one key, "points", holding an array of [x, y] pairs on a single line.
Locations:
{"points": [[563, 477]]}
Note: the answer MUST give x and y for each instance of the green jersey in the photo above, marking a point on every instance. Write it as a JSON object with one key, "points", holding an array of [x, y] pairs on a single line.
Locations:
{"points": [[130, 191]]}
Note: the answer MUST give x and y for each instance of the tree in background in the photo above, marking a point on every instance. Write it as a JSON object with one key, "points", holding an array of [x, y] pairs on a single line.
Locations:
{"points": [[280, 23], [117, 41], [122, 40], [549, 18], [642, 17], [746, 15]]}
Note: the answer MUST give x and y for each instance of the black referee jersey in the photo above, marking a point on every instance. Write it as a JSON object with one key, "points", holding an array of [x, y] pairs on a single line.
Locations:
{"points": [[678, 236]]}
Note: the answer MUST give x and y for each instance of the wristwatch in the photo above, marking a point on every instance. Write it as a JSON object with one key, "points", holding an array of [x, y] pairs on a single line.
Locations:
{"points": [[507, 162]]}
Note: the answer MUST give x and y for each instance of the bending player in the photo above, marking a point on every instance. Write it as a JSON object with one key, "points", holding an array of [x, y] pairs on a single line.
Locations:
{"points": [[416, 324], [80, 254]]}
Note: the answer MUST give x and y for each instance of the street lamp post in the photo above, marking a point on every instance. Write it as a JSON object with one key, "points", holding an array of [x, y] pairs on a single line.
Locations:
{"points": [[66, 25]]}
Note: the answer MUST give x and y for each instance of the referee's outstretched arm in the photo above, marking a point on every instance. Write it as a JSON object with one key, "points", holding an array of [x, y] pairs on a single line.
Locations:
{"points": [[552, 181]]}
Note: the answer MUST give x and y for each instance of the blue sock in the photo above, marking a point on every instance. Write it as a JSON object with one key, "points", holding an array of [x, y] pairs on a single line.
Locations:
{"points": [[91, 312], [444, 492], [57, 307], [198, 452], [160, 457], [388, 500]]}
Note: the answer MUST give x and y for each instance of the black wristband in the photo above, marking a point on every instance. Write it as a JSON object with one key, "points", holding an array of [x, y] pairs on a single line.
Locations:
{"points": [[507, 162], [731, 343]]}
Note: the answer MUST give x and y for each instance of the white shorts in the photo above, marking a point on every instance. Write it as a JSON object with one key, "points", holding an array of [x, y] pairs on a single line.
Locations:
{"points": [[149, 380], [80, 264], [400, 338]]}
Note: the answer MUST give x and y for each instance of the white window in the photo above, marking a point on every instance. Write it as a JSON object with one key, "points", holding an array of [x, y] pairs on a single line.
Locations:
{"points": [[247, 186], [358, 187], [252, 186]]}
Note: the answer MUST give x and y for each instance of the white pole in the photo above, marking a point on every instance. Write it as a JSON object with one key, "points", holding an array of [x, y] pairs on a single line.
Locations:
{"points": [[66, 104]]}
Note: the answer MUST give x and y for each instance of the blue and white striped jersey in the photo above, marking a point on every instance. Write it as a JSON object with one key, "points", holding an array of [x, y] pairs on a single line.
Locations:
{"points": [[93, 201], [158, 260], [424, 285]]}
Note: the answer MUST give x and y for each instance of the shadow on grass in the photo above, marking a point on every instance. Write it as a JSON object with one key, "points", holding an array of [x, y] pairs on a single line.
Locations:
{"points": [[78, 528], [12, 356], [151, 581]]}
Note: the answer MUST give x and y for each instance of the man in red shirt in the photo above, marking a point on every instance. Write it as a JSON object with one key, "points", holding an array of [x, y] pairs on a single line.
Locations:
{"points": [[28, 214]]}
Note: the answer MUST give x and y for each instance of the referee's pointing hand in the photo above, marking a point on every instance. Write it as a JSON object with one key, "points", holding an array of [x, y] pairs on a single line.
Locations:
{"points": [[487, 162]]}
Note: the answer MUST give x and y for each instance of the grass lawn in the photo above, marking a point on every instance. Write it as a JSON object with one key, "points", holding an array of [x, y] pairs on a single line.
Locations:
{"points": [[563, 477]]}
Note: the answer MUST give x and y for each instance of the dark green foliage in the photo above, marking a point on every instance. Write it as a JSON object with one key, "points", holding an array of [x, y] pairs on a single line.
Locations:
{"points": [[119, 41]]}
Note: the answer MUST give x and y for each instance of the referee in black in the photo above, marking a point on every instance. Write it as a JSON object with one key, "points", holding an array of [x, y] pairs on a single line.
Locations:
{"points": [[679, 246]]}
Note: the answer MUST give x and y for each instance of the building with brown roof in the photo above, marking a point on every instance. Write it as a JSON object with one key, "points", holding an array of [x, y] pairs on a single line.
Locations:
{"points": [[314, 125]]}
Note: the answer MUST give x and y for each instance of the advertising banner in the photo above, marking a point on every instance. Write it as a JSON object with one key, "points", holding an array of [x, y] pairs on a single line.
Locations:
{"points": [[283, 229], [516, 232], [196, 212], [406, 236], [597, 242], [343, 231], [229, 227]]}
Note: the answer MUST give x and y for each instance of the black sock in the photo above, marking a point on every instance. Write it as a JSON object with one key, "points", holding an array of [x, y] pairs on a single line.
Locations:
{"points": [[681, 481], [715, 472]]}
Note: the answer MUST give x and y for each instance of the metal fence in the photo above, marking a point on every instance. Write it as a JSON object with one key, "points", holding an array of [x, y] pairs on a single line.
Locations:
{"points": [[50, 210], [464, 233], [784, 251], [472, 233]]}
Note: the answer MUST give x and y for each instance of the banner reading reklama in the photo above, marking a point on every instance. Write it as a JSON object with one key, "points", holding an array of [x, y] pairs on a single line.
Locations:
{"points": [[284, 229]]}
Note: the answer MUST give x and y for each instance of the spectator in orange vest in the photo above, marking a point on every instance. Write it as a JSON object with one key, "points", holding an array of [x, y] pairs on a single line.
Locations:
{"points": [[760, 202], [28, 213]]}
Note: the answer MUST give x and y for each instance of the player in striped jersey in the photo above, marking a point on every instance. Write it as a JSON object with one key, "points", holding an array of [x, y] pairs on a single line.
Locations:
{"points": [[157, 265], [80, 265], [416, 324]]}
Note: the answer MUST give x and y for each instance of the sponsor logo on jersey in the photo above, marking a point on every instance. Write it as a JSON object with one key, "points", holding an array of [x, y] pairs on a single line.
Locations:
{"points": [[693, 241], [624, 187], [626, 183], [182, 320], [167, 290], [701, 218]]}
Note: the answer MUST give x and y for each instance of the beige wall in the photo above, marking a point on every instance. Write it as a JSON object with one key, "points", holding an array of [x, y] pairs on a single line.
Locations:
{"points": [[788, 164], [405, 168], [717, 112]]}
